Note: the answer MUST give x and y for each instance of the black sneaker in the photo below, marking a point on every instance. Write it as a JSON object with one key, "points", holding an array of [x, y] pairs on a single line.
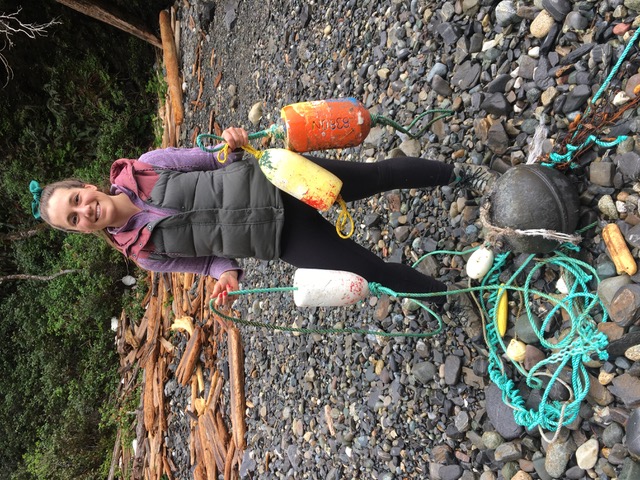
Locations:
{"points": [[478, 179], [463, 309]]}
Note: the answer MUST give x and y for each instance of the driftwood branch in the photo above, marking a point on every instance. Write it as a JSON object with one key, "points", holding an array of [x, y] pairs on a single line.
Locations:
{"points": [[113, 17]]}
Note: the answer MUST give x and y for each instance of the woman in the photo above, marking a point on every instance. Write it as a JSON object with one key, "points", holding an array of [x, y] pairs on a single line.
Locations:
{"points": [[182, 210]]}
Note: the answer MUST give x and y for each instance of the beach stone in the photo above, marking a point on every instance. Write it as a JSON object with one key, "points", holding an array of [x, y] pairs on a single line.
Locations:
{"points": [[610, 286], [508, 452], [255, 114], [633, 353], [452, 369], [576, 98], [618, 346], [450, 472], [541, 25], [492, 440], [625, 306], [558, 455], [627, 388], [524, 329], [632, 82], [506, 13], [587, 454], [601, 173], [630, 470], [633, 433], [558, 9], [629, 165], [496, 104], [575, 21], [424, 372], [612, 435], [500, 415], [521, 475], [632, 5], [607, 207], [598, 393], [497, 139]]}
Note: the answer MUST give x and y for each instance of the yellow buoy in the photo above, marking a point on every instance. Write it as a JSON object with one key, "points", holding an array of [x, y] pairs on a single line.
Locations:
{"points": [[300, 177]]}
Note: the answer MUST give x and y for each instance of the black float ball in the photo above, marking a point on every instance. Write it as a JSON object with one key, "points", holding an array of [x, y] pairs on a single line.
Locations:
{"points": [[534, 197]]}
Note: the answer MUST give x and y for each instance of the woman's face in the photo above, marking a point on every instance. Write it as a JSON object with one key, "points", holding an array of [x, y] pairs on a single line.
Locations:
{"points": [[82, 209]]}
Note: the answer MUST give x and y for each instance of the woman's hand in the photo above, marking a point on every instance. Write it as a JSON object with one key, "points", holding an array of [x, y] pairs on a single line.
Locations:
{"points": [[228, 282], [235, 137]]}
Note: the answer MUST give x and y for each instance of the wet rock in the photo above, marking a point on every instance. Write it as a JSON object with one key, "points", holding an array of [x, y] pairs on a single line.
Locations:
{"points": [[625, 306], [627, 388], [558, 455], [501, 416], [558, 9]]}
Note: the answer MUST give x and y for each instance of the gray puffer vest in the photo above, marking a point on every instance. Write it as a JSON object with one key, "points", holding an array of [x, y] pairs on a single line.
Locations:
{"points": [[233, 212]]}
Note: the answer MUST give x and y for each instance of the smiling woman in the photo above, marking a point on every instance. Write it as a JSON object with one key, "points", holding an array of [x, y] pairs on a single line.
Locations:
{"points": [[86, 209]]}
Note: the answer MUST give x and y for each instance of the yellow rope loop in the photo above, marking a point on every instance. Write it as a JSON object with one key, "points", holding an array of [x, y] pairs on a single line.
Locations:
{"points": [[224, 153], [256, 153], [344, 217]]}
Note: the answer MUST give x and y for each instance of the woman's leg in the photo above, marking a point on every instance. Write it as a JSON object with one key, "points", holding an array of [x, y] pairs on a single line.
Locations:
{"points": [[310, 241], [361, 180]]}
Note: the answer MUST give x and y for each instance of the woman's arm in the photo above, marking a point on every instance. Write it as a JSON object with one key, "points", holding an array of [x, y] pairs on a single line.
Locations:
{"points": [[189, 159], [212, 266]]}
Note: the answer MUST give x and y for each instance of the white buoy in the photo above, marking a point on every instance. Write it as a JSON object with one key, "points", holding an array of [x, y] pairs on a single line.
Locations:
{"points": [[479, 263], [328, 288]]}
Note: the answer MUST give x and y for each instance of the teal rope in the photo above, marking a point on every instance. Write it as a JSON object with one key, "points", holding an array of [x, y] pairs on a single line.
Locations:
{"points": [[572, 149], [616, 67], [578, 345], [274, 131], [556, 158]]}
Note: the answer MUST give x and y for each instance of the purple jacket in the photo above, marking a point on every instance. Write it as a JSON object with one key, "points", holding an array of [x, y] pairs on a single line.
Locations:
{"points": [[136, 178]]}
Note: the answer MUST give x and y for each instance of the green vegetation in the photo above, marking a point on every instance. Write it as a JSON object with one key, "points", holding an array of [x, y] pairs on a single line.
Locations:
{"points": [[81, 97]]}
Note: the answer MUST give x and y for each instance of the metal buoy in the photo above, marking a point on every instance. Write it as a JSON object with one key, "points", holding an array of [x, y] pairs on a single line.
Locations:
{"points": [[533, 197]]}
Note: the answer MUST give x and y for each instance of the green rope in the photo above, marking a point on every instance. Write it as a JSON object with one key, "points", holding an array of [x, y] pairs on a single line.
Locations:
{"points": [[557, 158], [382, 120]]}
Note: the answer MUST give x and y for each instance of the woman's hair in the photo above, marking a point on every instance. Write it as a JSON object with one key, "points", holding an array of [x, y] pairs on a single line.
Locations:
{"points": [[47, 191]]}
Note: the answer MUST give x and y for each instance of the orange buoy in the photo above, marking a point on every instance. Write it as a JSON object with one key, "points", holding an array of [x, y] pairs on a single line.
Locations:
{"points": [[325, 124], [300, 177]]}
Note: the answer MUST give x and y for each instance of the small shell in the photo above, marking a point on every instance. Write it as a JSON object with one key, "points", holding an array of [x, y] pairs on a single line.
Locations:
{"points": [[516, 350], [561, 286]]}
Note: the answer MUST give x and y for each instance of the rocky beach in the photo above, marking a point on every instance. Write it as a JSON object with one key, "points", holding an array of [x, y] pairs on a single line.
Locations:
{"points": [[333, 406]]}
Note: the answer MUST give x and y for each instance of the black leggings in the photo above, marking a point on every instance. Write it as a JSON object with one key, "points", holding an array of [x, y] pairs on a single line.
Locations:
{"points": [[310, 241]]}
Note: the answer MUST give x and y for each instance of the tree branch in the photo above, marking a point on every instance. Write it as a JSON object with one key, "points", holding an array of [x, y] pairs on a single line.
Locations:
{"points": [[44, 278]]}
